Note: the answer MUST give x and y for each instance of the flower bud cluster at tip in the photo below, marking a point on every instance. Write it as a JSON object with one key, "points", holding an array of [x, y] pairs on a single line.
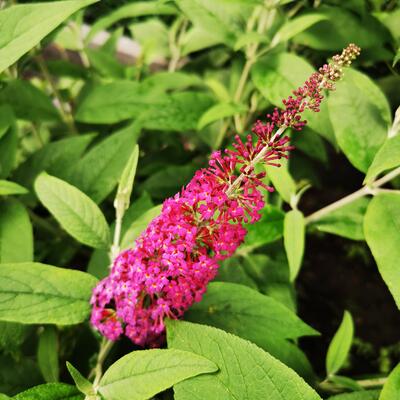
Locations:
{"points": [[177, 255]]}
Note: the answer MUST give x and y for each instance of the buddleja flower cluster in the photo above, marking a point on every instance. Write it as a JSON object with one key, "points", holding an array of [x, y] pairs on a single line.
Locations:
{"points": [[177, 255]]}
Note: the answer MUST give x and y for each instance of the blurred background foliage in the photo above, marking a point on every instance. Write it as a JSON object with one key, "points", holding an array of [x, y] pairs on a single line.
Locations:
{"points": [[180, 78]]}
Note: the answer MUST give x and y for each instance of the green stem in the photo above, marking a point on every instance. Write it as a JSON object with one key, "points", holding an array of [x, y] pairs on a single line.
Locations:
{"points": [[371, 189], [175, 44], [66, 115]]}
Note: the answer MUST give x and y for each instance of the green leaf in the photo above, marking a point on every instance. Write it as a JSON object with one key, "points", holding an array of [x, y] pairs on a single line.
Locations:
{"points": [[276, 76], [8, 141], [138, 226], [396, 58], [12, 336], [4, 397], [16, 376], [169, 180], [391, 389], [250, 38], [386, 158], [272, 276], [235, 357], [341, 27], [206, 18], [34, 293], [136, 9], [296, 25], [268, 229], [361, 395], [98, 171], [382, 228], [340, 345], [219, 111], [346, 221], [282, 180], [142, 374], [7, 119], [16, 237], [114, 102], [75, 211], [7, 188], [81, 382], [310, 143], [25, 25], [178, 112], [361, 116], [105, 63], [247, 313], [346, 383], [57, 158], [50, 391], [293, 239], [152, 35], [28, 102], [163, 81], [47, 354]]}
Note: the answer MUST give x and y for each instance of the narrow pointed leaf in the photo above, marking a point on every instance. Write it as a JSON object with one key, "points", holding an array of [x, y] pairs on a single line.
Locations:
{"points": [[294, 238], [340, 345], [75, 211]]}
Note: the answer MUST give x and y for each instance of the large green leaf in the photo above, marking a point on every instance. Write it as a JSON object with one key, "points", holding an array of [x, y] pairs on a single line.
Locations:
{"points": [[51, 391], [382, 232], [131, 10], [16, 237], [391, 389], [169, 180], [247, 313], [294, 238], [219, 111], [75, 211], [386, 158], [18, 375], [268, 229], [34, 293], [114, 102], [23, 26], [47, 354], [142, 374], [56, 158], [296, 25], [245, 371], [341, 27], [346, 221], [12, 335], [8, 141], [206, 18], [28, 102], [276, 76], [361, 116], [340, 345], [178, 112], [97, 172]]}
